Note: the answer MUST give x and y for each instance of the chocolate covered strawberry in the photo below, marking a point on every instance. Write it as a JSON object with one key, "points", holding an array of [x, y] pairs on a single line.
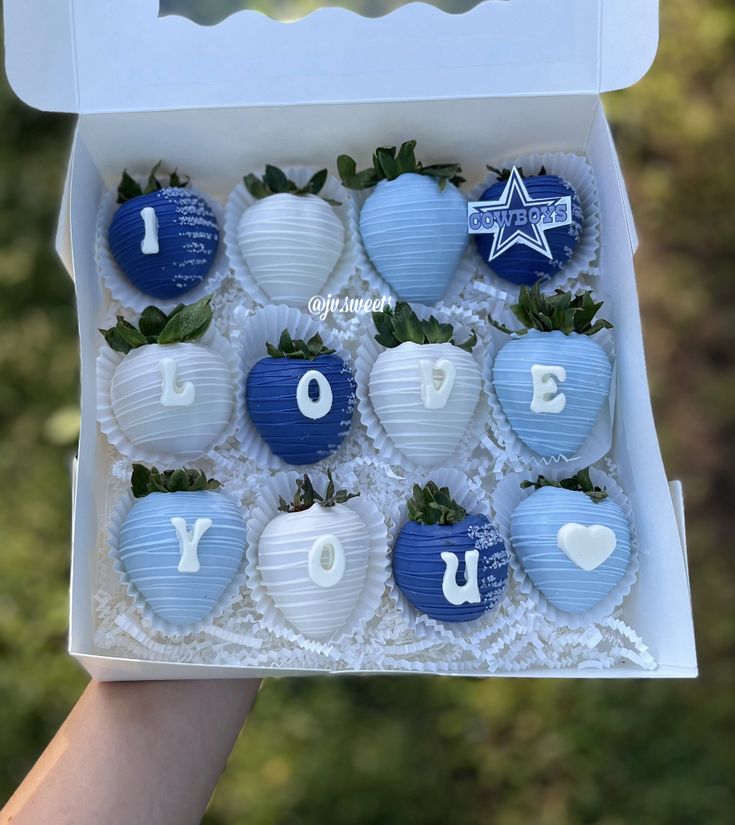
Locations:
{"points": [[170, 393], [551, 378], [300, 398], [448, 563], [414, 223], [291, 238], [313, 559], [526, 227], [425, 386], [572, 540], [182, 542], [164, 238]]}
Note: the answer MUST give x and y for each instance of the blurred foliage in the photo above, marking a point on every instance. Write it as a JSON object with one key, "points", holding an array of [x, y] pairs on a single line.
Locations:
{"points": [[410, 750]]}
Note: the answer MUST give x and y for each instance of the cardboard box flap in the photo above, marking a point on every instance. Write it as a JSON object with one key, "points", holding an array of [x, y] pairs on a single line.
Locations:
{"points": [[92, 56]]}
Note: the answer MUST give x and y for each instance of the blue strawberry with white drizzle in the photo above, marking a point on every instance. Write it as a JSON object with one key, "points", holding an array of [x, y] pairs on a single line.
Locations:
{"points": [[181, 543], [414, 224], [540, 225], [551, 378], [301, 398], [572, 540], [164, 239], [449, 564]]}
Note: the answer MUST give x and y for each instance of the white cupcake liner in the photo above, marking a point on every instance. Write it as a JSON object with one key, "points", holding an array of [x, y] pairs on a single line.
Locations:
{"points": [[463, 274], [255, 330], [108, 361], [240, 199], [266, 509], [508, 495], [231, 595], [517, 454], [122, 290], [368, 350], [577, 171], [475, 499]]}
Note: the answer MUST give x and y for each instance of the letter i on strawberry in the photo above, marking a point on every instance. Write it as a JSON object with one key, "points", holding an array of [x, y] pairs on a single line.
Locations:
{"points": [[301, 398], [164, 238], [551, 378], [182, 542], [572, 540], [414, 223], [291, 238], [448, 563]]}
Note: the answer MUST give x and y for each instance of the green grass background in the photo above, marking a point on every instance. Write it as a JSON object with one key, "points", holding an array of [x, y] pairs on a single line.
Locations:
{"points": [[426, 750]]}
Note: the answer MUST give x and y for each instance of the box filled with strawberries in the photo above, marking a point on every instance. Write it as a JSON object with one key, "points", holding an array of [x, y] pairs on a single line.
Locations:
{"points": [[363, 386]]}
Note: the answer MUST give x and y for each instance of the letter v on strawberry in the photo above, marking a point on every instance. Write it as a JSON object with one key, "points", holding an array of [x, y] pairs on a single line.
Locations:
{"points": [[551, 378], [291, 238], [425, 386], [414, 224], [181, 544]]}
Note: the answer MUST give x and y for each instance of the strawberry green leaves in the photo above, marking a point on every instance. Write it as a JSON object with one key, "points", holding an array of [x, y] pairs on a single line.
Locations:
{"points": [[562, 311], [306, 496], [432, 504], [396, 327], [298, 349], [580, 482], [129, 188], [275, 182], [183, 324], [389, 164], [145, 480]]}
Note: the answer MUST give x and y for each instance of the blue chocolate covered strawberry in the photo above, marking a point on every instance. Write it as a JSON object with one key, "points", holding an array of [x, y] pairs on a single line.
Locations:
{"points": [[551, 378], [164, 238], [414, 224], [301, 398], [526, 227], [572, 540], [449, 564]]}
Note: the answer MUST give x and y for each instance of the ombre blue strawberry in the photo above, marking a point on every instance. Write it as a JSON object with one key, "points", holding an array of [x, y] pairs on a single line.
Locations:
{"points": [[449, 564], [551, 378], [181, 544], [164, 238], [414, 223], [301, 398], [521, 263]]}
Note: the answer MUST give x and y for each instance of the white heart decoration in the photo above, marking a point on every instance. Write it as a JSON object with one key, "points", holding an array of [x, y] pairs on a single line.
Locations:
{"points": [[587, 547]]}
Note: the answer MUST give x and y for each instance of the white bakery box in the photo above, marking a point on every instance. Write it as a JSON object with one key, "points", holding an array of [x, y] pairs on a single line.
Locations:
{"points": [[509, 77]]}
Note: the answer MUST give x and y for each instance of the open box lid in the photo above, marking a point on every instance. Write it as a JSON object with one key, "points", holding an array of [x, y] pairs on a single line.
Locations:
{"points": [[92, 56]]}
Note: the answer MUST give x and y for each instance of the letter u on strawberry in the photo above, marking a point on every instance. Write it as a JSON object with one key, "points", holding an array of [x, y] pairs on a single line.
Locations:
{"points": [[449, 564], [291, 238], [301, 398], [424, 387], [181, 544], [414, 224], [551, 378]]}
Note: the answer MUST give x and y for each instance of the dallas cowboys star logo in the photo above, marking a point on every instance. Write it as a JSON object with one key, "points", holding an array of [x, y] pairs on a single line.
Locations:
{"points": [[517, 218]]}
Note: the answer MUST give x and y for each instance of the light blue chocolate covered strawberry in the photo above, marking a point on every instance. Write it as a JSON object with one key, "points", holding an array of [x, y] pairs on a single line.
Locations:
{"points": [[181, 544], [572, 540], [551, 378], [164, 238], [414, 224]]}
